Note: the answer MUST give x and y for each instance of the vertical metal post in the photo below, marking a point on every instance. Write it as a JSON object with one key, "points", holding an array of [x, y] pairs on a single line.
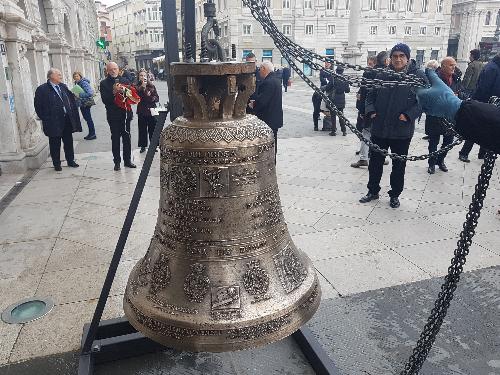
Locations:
{"points": [[171, 46], [188, 26]]}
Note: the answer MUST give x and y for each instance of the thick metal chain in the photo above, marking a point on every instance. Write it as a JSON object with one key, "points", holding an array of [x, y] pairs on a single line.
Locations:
{"points": [[291, 52], [442, 303]]}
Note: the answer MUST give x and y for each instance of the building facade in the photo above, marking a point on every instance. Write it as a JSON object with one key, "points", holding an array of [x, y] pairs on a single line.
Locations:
{"points": [[35, 35], [328, 27], [472, 22], [137, 32]]}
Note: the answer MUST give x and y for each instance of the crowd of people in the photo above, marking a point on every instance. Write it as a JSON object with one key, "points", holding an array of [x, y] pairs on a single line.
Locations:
{"points": [[57, 106], [387, 115]]}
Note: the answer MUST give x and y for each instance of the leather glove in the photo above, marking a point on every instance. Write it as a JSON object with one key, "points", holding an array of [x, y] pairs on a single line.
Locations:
{"points": [[438, 100]]}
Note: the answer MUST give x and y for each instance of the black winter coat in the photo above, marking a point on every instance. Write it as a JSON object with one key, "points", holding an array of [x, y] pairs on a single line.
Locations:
{"points": [[113, 112], [488, 84], [268, 102], [435, 125], [480, 123], [50, 109], [390, 103], [341, 88]]}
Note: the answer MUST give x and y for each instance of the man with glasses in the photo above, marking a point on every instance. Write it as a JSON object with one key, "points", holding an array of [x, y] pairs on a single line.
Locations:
{"points": [[393, 111]]}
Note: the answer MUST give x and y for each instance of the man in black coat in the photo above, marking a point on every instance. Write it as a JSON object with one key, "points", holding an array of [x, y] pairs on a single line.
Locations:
{"points": [[325, 79], [340, 88], [268, 101], [285, 75], [434, 126], [55, 105], [393, 112], [258, 79], [118, 118]]}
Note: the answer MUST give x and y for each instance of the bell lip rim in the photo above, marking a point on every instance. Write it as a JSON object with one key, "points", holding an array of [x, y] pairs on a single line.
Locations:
{"points": [[185, 345], [314, 285]]}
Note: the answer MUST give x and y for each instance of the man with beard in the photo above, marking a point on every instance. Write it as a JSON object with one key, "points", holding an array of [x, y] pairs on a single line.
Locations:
{"points": [[393, 111]]}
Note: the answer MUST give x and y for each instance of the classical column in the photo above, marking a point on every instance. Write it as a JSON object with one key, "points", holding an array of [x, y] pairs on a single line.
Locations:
{"points": [[352, 53], [77, 61], [38, 58], [59, 54], [26, 145]]}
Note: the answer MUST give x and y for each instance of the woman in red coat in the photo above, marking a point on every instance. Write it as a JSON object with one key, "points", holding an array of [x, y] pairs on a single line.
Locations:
{"points": [[149, 97]]}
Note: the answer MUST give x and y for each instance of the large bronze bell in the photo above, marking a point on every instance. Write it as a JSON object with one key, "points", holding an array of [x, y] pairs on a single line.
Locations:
{"points": [[221, 272]]}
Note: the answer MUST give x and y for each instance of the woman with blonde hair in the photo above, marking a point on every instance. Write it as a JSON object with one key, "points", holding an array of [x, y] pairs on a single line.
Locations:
{"points": [[85, 100]]}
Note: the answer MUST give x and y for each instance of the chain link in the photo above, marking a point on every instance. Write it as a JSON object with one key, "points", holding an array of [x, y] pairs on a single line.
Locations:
{"points": [[292, 51]]}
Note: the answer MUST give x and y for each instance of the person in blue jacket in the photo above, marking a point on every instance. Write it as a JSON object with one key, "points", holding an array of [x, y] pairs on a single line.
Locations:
{"points": [[85, 101]]}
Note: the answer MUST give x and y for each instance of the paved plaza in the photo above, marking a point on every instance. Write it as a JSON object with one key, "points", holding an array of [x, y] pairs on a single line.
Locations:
{"points": [[380, 268]]}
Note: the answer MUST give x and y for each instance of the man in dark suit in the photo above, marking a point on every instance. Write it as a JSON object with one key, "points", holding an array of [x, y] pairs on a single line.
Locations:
{"points": [[267, 102], [55, 105]]}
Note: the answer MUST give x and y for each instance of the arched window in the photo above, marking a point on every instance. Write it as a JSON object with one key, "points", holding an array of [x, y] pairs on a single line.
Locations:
{"points": [[488, 18]]}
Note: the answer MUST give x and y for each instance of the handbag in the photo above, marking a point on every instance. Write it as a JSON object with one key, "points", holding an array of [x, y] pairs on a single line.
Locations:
{"points": [[88, 102]]}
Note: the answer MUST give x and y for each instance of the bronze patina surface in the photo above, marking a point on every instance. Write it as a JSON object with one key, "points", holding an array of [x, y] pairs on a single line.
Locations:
{"points": [[221, 272]]}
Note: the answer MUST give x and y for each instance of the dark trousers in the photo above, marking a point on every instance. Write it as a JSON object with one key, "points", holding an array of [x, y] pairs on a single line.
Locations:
{"points": [[146, 126], [120, 129], [275, 133], [317, 110], [285, 84], [341, 122], [433, 145], [88, 119], [55, 145], [467, 148], [376, 166]]}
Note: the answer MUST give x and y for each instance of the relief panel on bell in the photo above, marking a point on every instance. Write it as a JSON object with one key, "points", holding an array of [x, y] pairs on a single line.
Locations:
{"points": [[225, 302], [214, 182], [184, 180], [290, 269]]}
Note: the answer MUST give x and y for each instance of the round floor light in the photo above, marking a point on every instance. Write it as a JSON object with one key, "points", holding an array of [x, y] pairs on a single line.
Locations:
{"points": [[27, 310]]}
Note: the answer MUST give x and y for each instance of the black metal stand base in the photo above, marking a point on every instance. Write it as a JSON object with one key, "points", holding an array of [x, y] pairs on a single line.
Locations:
{"points": [[116, 339]]}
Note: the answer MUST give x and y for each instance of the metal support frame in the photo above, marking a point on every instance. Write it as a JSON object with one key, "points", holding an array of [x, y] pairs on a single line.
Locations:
{"points": [[188, 26], [171, 46], [116, 339]]}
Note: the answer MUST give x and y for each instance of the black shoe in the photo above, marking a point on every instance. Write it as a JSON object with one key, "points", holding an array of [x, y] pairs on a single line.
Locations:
{"points": [[332, 134], [117, 167], [90, 137], [315, 128], [368, 198], [344, 133], [129, 164], [425, 137], [443, 167], [394, 202], [57, 168], [72, 164], [357, 152], [463, 158], [143, 149], [431, 169]]}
